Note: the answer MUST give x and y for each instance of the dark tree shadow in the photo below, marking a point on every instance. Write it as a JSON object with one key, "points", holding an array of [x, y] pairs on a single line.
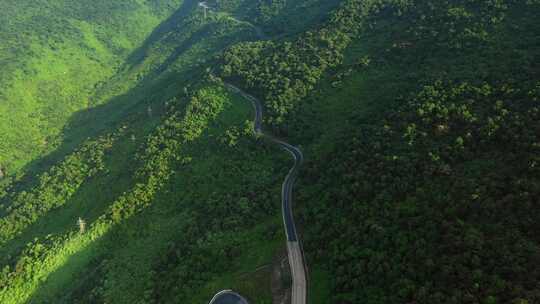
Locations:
{"points": [[140, 54]]}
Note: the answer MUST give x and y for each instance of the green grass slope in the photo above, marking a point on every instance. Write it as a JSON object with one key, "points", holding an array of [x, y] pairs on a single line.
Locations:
{"points": [[170, 166], [54, 54]]}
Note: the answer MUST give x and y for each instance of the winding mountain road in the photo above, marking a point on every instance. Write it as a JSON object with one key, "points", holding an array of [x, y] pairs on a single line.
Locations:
{"points": [[295, 252], [294, 247]]}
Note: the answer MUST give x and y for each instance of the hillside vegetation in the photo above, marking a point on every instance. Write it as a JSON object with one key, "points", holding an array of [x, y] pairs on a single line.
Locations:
{"points": [[54, 54], [424, 187], [132, 175]]}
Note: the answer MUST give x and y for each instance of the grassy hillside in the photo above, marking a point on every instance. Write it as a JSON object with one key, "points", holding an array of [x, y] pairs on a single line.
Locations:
{"points": [[139, 179], [168, 150], [54, 55]]}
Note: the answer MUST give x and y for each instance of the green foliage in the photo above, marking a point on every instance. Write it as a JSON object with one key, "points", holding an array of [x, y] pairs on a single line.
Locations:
{"points": [[419, 121], [286, 72], [412, 231], [277, 17], [429, 194], [54, 188], [161, 149], [203, 106], [49, 267], [54, 55]]}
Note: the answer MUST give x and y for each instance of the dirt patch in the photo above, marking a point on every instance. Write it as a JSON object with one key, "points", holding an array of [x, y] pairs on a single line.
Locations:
{"points": [[281, 279]]}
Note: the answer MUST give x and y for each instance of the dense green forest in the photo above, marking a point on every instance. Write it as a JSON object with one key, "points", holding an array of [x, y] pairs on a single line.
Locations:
{"points": [[129, 173]]}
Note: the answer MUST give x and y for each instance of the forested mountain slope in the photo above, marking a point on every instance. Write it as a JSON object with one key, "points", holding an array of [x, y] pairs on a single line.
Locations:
{"points": [[438, 194], [54, 54], [419, 122]]}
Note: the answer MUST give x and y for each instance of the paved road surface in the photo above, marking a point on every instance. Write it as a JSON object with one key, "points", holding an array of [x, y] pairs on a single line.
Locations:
{"points": [[228, 297], [294, 248]]}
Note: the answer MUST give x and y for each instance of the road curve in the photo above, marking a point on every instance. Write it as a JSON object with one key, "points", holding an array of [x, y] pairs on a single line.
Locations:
{"points": [[294, 247], [228, 297]]}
